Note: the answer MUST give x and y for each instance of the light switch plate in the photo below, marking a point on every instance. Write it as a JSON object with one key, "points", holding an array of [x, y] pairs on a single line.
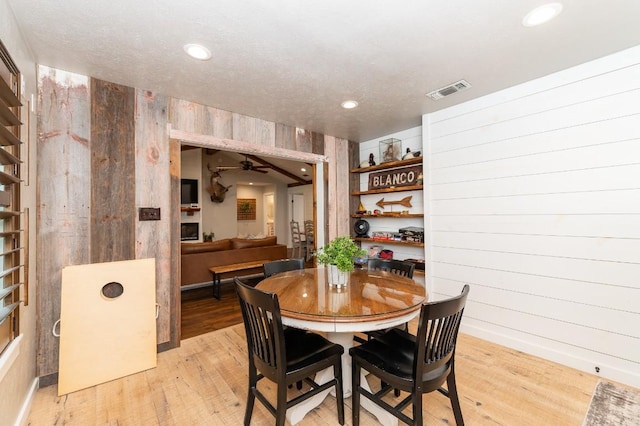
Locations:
{"points": [[149, 213]]}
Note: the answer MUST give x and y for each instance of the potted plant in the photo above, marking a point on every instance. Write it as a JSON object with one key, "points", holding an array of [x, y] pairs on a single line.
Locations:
{"points": [[339, 256]]}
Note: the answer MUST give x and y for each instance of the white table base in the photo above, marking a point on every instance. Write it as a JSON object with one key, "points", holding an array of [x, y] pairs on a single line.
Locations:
{"points": [[345, 339]]}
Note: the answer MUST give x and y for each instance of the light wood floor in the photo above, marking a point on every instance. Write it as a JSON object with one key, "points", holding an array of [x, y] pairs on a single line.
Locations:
{"points": [[204, 383]]}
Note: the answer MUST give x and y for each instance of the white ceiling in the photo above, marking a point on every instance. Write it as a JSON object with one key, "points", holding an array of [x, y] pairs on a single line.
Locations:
{"points": [[295, 61]]}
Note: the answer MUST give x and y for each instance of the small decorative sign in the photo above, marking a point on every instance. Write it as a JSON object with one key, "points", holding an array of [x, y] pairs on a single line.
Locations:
{"points": [[406, 176]]}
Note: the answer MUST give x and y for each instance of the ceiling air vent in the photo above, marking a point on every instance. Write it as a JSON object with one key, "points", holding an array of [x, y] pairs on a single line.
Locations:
{"points": [[449, 90]]}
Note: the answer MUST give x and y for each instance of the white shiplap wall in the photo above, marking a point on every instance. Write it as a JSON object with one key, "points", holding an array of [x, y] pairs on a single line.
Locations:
{"points": [[535, 202], [412, 139]]}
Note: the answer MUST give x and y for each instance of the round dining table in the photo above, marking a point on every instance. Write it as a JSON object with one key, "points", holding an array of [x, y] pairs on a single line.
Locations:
{"points": [[372, 300]]}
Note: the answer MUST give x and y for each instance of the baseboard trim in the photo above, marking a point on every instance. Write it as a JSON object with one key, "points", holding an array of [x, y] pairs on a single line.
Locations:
{"points": [[23, 415], [607, 371]]}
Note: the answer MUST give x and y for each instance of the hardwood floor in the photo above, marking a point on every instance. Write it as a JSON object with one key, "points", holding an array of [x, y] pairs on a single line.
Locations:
{"points": [[202, 313], [204, 383]]}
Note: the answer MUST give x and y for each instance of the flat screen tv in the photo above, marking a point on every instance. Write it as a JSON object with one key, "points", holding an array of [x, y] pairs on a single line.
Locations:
{"points": [[188, 191]]}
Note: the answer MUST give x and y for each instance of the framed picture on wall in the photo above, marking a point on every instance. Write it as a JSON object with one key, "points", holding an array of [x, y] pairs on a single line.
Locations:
{"points": [[246, 208]]}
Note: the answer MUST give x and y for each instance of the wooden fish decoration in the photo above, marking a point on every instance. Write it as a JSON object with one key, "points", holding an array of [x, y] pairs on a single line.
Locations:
{"points": [[216, 190], [406, 202]]}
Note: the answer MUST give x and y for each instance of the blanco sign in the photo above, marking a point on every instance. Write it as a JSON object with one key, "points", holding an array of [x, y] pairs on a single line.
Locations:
{"points": [[407, 176]]}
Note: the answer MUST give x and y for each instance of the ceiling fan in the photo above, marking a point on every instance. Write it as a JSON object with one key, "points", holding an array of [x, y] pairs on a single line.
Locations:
{"points": [[246, 165]]}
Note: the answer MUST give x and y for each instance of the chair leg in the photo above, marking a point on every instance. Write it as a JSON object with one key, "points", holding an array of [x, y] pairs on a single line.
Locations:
{"points": [[281, 407], [337, 372], [417, 408], [251, 397], [453, 396], [355, 394]]}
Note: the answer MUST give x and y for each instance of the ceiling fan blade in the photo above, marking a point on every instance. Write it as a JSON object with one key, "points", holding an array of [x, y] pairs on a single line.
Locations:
{"points": [[259, 171]]}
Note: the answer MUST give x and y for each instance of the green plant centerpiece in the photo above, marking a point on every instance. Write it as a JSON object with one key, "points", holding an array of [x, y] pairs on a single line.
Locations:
{"points": [[339, 256]]}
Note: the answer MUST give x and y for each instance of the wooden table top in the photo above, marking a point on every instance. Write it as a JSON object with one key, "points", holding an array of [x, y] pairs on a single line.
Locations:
{"points": [[369, 296]]}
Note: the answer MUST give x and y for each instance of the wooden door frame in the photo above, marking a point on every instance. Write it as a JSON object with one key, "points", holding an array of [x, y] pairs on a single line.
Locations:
{"points": [[178, 138]]}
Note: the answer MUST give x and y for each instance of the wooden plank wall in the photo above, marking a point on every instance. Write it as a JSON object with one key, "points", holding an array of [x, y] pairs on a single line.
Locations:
{"points": [[113, 218], [200, 119], [63, 197], [153, 238], [535, 203], [103, 152]]}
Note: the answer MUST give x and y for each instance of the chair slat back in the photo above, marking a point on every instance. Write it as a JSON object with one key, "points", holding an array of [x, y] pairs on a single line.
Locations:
{"points": [[277, 266], [295, 232], [438, 331], [397, 267], [263, 326]]}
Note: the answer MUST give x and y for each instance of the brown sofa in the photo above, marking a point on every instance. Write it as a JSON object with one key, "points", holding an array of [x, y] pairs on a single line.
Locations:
{"points": [[197, 258]]}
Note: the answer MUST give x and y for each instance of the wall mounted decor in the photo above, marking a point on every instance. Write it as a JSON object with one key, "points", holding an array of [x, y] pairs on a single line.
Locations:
{"points": [[246, 208]]}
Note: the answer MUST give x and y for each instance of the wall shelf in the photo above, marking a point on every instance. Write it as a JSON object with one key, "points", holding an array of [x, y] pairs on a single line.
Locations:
{"points": [[388, 190], [388, 165], [394, 216], [189, 210], [381, 241]]}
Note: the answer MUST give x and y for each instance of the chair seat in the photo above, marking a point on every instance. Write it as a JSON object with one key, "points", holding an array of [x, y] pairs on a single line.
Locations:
{"points": [[378, 333], [305, 348], [393, 352], [415, 364]]}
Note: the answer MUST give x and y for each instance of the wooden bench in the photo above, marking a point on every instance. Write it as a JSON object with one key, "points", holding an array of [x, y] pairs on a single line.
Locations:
{"points": [[217, 271]]}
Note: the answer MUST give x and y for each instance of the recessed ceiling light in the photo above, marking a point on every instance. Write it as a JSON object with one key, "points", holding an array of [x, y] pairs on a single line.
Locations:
{"points": [[303, 169], [197, 51], [542, 14], [250, 183], [349, 104]]}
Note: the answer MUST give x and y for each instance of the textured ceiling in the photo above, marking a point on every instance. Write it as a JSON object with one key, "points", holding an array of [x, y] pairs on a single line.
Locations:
{"points": [[294, 62]]}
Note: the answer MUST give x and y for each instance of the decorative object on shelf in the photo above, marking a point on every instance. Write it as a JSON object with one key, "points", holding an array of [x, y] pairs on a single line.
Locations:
{"points": [[374, 251], [339, 256], [411, 154], [390, 150], [368, 163], [208, 237], [361, 209], [406, 202], [405, 176], [246, 209], [361, 228], [412, 233], [386, 254]]}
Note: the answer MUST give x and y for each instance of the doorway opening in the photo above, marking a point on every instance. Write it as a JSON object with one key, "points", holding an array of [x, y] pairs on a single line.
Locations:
{"points": [[200, 311]]}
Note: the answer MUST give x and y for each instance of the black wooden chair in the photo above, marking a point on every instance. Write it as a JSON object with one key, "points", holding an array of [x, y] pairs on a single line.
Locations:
{"points": [[415, 364], [397, 267], [277, 266], [283, 356]]}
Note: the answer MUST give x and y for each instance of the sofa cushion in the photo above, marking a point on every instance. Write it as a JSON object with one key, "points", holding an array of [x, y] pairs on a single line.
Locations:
{"points": [[218, 245], [239, 243]]}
